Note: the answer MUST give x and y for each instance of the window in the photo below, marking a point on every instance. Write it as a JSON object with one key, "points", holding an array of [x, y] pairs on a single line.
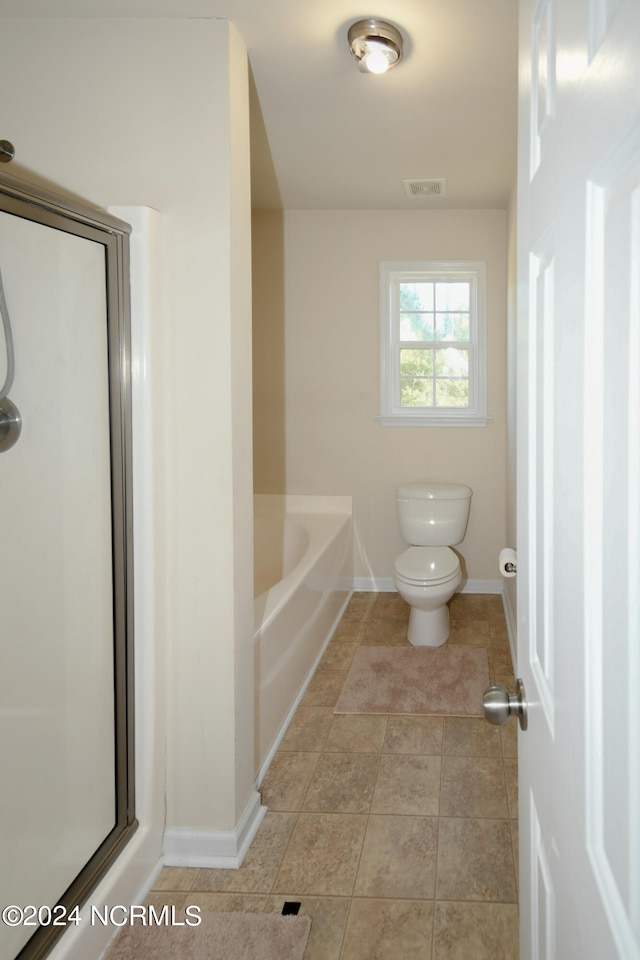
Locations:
{"points": [[433, 343]]}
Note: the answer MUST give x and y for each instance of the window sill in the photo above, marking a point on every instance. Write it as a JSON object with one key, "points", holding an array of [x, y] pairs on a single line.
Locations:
{"points": [[444, 421]]}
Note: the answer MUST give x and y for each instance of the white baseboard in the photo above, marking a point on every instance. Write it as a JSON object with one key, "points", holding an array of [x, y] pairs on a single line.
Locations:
{"points": [[509, 616], [386, 585], [214, 848], [481, 586], [374, 585]]}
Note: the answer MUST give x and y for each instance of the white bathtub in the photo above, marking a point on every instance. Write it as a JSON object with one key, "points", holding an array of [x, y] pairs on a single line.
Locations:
{"points": [[303, 573]]}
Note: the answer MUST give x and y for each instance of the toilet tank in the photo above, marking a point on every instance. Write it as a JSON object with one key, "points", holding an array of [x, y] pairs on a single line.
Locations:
{"points": [[433, 514]]}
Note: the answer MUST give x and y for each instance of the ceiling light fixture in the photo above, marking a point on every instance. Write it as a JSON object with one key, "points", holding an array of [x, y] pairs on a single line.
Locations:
{"points": [[375, 44]]}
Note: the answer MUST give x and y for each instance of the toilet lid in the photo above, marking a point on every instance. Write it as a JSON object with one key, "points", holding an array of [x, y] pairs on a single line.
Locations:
{"points": [[427, 564]]}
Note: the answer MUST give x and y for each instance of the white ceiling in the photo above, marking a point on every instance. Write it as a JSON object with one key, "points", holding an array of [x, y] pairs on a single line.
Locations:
{"points": [[343, 139], [339, 138]]}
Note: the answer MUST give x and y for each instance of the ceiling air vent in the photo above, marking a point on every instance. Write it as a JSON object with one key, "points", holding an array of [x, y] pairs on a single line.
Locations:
{"points": [[425, 188]]}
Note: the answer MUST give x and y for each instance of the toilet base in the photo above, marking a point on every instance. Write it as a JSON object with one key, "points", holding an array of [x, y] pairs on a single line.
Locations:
{"points": [[428, 628]]}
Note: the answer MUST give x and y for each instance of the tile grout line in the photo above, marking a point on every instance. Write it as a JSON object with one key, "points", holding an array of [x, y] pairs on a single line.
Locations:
{"points": [[435, 872], [355, 876], [300, 810]]}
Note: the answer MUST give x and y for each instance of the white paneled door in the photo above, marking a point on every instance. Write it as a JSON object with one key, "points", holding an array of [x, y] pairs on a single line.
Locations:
{"points": [[579, 478]]}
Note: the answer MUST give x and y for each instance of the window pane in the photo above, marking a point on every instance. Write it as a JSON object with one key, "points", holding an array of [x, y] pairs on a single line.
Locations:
{"points": [[453, 295], [416, 393], [452, 393], [416, 326], [416, 296], [452, 326], [451, 362], [416, 363]]}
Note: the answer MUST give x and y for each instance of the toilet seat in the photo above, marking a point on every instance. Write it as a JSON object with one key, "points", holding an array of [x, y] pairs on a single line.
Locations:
{"points": [[427, 565]]}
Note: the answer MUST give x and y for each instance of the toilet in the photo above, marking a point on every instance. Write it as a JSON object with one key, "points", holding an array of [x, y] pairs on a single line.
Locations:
{"points": [[432, 516]]}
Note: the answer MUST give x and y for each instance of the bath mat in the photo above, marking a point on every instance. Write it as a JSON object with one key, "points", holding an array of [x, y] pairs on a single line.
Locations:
{"points": [[220, 936], [432, 681]]}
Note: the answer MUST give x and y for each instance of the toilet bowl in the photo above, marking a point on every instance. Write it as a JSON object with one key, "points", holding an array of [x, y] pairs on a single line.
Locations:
{"points": [[426, 578], [432, 517]]}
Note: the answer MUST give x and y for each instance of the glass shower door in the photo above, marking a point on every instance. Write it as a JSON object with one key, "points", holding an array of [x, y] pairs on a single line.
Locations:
{"points": [[64, 598]]}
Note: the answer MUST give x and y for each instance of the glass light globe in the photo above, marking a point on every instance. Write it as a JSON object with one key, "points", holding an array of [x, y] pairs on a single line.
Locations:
{"points": [[377, 60]]}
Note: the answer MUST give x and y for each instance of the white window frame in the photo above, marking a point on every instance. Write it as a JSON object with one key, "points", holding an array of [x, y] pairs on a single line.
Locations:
{"points": [[392, 273]]}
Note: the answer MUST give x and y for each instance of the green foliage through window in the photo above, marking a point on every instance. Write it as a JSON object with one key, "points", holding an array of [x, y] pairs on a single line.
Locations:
{"points": [[431, 314]]}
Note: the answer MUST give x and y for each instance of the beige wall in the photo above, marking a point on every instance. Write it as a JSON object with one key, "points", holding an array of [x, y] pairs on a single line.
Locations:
{"points": [[155, 113], [267, 235], [333, 443]]}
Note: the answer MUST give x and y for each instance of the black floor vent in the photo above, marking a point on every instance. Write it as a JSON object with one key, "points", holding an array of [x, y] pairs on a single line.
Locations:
{"points": [[290, 907]]}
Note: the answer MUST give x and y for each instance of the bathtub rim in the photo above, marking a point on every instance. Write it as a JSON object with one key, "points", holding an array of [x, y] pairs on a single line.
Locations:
{"points": [[303, 503], [300, 506]]}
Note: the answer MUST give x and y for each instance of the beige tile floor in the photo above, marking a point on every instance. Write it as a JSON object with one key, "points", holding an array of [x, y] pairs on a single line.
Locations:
{"points": [[397, 834]]}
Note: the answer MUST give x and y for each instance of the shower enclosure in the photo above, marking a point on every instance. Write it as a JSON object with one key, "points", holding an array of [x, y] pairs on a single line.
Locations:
{"points": [[66, 590]]}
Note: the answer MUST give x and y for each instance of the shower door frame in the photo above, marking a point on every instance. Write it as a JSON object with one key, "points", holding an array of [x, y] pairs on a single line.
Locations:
{"points": [[41, 206]]}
